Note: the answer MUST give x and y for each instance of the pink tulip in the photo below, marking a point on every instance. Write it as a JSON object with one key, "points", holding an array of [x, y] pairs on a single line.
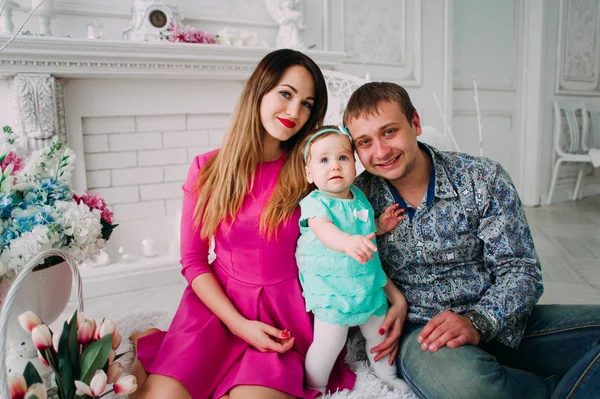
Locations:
{"points": [[111, 356], [28, 320], [41, 337], [125, 385], [97, 329], [114, 372], [80, 319], [44, 362], [17, 387], [96, 387], [107, 327], [38, 391], [85, 332], [116, 340], [55, 341]]}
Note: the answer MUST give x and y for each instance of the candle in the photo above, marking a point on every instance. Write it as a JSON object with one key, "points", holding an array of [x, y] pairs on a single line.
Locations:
{"points": [[149, 247], [47, 6]]}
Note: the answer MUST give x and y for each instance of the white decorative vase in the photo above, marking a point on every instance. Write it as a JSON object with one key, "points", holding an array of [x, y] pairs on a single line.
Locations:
{"points": [[45, 292]]}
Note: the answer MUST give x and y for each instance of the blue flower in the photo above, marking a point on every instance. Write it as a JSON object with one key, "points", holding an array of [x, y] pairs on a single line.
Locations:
{"points": [[26, 219], [7, 204], [48, 192], [7, 236]]}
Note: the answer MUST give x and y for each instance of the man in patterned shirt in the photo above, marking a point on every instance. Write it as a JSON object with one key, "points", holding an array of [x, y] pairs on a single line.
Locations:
{"points": [[465, 260]]}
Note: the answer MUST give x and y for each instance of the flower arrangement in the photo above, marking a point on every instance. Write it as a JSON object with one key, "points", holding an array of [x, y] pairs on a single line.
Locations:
{"points": [[39, 211], [227, 36], [82, 357], [188, 35]]}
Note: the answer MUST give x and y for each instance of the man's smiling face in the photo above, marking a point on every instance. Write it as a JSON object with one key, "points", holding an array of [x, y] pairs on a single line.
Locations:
{"points": [[386, 142]]}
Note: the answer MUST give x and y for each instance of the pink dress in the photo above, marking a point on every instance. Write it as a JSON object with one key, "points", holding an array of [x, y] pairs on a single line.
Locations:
{"points": [[260, 277]]}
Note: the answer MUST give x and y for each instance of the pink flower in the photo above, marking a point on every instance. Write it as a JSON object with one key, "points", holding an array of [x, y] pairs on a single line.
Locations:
{"points": [[107, 327], [12, 158], [41, 337], [37, 391], [28, 320], [125, 385], [17, 387], [115, 370], [96, 387], [44, 362], [116, 340], [85, 332], [95, 202], [55, 341]]}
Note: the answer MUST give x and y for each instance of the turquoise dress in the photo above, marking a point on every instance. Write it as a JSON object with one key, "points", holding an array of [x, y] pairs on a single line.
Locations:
{"points": [[337, 288]]}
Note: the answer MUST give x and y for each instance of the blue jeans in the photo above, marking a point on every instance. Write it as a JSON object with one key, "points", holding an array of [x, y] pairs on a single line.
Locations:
{"points": [[559, 357]]}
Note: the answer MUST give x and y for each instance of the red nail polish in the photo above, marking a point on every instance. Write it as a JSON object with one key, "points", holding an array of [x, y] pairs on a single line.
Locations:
{"points": [[381, 331], [284, 334]]}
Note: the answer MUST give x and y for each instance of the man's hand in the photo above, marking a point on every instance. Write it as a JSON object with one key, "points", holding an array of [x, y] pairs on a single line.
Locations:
{"points": [[389, 219], [449, 329]]}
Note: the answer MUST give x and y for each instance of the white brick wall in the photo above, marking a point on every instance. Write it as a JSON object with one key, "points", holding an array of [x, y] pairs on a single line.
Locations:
{"points": [[138, 163]]}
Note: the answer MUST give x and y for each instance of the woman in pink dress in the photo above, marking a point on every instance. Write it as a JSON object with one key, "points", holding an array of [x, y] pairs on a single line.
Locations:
{"points": [[241, 329]]}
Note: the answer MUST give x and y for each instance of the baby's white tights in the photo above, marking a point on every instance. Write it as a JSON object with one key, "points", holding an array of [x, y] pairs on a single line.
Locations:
{"points": [[328, 342]]}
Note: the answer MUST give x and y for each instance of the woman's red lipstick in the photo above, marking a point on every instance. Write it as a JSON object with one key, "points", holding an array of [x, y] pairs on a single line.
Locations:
{"points": [[287, 123]]}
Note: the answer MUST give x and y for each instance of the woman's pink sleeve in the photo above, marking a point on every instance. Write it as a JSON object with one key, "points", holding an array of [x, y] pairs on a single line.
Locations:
{"points": [[194, 250]]}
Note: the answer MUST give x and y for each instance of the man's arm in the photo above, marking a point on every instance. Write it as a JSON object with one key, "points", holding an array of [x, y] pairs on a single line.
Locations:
{"points": [[509, 256]]}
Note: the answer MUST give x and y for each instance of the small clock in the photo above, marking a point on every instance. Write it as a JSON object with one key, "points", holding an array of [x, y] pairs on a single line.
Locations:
{"points": [[150, 19], [158, 18]]}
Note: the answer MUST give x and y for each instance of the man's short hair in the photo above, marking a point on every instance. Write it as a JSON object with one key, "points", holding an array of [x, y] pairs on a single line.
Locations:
{"points": [[367, 98]]}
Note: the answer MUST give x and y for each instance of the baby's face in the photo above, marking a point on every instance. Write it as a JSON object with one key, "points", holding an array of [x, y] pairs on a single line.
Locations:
{"points": [[331, 165]]}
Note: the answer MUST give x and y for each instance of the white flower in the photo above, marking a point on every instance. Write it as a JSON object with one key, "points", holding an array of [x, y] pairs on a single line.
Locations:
{"points": [[25, 247], [237, 37], [82, 226]]}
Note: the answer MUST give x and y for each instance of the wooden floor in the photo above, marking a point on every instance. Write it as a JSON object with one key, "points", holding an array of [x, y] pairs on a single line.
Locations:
{"points": [[567, 237]]}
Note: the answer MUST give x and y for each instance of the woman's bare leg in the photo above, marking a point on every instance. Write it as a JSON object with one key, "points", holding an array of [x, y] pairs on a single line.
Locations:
{"points": [[256, 392], [161, 387], [137, 370]]}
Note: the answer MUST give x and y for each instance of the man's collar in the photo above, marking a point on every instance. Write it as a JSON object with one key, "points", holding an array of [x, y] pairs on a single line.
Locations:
{"points": [[439, 176]]}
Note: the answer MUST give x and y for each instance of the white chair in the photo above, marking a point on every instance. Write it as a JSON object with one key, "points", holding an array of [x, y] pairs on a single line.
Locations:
{"points": [[571, 127], [340, 86], [592, 139]]}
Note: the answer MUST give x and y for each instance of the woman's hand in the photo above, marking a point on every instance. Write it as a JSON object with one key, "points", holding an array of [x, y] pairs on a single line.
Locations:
{"points": [[264, 337], [392, 325]]}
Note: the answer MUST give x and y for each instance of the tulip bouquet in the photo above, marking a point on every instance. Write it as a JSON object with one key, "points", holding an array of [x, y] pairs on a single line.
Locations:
{"points": [[39, 211], [82, 357]]}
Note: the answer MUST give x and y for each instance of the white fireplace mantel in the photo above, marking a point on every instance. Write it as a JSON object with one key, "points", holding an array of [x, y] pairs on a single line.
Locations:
{"points": [[108, 88], [83, 58]]}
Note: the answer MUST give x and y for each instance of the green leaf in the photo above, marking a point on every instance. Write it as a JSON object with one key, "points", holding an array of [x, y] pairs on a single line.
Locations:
{"points": [[94, 357], [65, 368], [107, 229], [74, 345], [31, 375]]}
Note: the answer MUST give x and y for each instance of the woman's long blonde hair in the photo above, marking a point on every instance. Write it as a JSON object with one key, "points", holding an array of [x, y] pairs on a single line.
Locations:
{"points": [[227, 177]]}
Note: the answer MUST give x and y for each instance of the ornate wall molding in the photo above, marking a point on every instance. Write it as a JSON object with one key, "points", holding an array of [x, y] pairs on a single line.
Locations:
{"points": [[39, 100], [386, 36], [223, 13], [75, 58], [578, 56]]}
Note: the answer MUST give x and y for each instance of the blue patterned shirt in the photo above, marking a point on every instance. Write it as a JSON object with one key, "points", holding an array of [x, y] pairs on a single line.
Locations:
{"points": [[466, 247]]}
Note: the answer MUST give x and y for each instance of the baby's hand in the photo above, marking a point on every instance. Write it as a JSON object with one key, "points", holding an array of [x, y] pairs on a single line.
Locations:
{"points": [[389, 219], [360, 248]]}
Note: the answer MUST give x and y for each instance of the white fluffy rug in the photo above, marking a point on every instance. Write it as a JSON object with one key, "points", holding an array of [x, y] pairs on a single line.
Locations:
{"points": [[367, 385]]}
